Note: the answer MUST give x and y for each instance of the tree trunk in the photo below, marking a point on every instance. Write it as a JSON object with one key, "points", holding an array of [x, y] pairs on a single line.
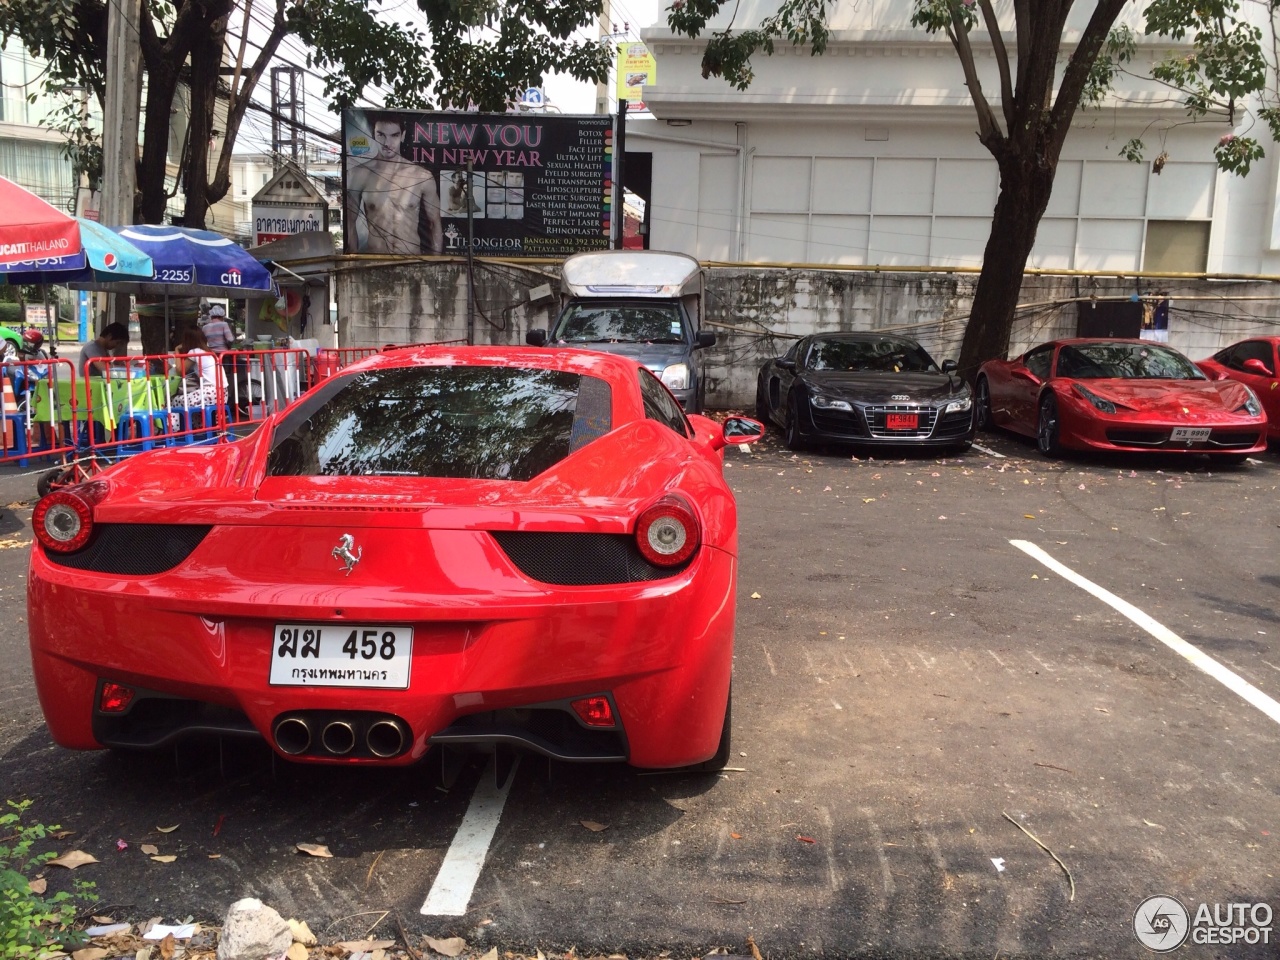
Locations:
{"points": [[206, 59], [1025, 186], [161, 85]]}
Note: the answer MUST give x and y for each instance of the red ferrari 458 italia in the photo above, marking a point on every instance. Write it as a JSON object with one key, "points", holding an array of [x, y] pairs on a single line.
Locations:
{"points": [[461, 546], [1119, 395], [1253, 363]]}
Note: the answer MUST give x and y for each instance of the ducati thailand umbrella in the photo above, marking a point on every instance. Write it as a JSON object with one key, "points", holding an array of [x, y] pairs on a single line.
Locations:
{"points": [[106, 256], [31, 229]]}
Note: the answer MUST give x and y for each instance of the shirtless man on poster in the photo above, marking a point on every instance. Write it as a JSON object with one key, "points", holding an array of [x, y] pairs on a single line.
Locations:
{"points": [[392, 193]]}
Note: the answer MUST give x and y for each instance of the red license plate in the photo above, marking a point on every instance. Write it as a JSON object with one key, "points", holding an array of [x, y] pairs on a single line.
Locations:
{"points": [[901, 421]]}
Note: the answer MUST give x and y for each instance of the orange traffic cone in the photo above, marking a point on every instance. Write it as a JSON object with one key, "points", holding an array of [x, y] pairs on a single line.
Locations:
{"points": [[10, 412]]}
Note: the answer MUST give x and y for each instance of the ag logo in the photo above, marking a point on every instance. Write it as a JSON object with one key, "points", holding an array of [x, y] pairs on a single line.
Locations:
{"points": [[1161, 923]]}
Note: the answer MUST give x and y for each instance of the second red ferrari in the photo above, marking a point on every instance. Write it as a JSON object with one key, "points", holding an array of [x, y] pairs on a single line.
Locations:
{"points": [[1129, 395]]}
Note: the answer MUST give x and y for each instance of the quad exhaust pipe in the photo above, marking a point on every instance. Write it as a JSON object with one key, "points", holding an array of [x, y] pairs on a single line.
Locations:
{"points": [[317, 734]]}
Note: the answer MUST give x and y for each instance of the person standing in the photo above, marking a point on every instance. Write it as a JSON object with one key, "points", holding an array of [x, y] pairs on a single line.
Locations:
{"points": [[217, 331], [109, 343], [398, 199]]}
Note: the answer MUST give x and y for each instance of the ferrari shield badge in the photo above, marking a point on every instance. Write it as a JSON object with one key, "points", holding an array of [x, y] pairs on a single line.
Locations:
{"points": [[343, 552]]}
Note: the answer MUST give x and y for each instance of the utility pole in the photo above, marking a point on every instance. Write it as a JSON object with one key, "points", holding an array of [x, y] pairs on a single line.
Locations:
{"points": [[606, 33], [120, 128], [287, 109]]}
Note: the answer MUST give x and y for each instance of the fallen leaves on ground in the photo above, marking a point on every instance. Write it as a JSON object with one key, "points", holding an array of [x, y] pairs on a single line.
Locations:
{"points": [[150, 849], [450, 947], [803, 839], [165, 858], [38, 885], [72, 859], [593, 826], [12, 543], [167, 829], [315, 850]]}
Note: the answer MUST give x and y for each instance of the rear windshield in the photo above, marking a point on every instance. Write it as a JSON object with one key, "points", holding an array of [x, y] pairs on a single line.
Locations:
{"points": [[1127, 361], [621, 323], [887, 355], [494, 423]]}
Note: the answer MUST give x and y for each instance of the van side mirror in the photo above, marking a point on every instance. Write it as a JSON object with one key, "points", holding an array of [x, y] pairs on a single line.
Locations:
{"points": [[536, 338], [950, 366], [704, 338]]}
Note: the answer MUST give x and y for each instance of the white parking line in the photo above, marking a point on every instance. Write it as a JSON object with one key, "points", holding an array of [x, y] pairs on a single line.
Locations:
{"points": [[987, 451], [1195, 655], [451, 893]]}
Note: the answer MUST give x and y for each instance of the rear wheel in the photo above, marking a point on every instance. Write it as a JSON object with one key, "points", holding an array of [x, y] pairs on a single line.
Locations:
{"points": [[982, 401], [1228, 459], [1049, 428], [762, 405], [50, 481], [791, 427]]}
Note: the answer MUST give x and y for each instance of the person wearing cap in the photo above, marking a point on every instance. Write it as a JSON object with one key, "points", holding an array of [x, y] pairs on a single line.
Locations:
{"points": [[217, 331]]}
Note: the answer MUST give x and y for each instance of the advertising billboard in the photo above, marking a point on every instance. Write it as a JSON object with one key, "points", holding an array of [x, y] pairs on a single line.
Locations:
{"points": [[540, 184], [635, 68]]}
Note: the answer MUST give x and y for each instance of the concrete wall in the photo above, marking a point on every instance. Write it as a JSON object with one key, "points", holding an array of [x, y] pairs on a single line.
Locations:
{"points": [[758, 311]]}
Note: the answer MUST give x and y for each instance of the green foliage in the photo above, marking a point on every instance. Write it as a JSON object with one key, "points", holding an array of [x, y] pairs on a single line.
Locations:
{"points": [[32, 926], [728, 54], [943, 16], [1119, 49], [482, 52], [1236, 154], [1227, 62], [1133, 150]]}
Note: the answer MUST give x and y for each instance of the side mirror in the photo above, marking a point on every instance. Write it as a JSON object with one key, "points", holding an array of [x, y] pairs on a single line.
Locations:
{"points": [[536, 338], [1256, 366], [704, 338], [950, 366], [739, 430], [785, 364]]}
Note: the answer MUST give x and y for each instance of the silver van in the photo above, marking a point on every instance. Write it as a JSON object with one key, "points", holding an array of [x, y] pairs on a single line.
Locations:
{"points": [[644, 304]]}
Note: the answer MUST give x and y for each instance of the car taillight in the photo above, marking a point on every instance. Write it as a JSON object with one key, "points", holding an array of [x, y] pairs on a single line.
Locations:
{"points": [[63, 521], [667, 533], [594, 711], [115, 698]]}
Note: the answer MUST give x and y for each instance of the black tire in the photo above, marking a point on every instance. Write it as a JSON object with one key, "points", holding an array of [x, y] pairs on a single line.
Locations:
{"points": [[791, 425], [51, 480], [1228, 459], [1048, 428], [762, 405], [721, 758], [982, 406]]}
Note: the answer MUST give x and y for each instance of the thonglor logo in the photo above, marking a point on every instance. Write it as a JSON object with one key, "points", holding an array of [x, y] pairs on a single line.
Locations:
{"points": [[232, 277]]}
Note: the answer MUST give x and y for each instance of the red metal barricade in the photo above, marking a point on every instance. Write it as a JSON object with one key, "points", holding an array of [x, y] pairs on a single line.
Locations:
{"points": [[329, 360], [41, 417]]}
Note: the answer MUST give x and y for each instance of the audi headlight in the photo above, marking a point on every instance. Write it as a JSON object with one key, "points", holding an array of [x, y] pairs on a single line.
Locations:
{"points": [[1106, 406], [961, 405], [676, 376], [829, 403]]}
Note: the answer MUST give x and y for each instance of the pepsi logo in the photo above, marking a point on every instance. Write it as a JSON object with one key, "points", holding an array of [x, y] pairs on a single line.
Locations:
{"points": [[110, 261]]}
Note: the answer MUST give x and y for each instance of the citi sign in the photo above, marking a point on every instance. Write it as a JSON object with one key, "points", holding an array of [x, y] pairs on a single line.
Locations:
{"points": [[231, 278]]}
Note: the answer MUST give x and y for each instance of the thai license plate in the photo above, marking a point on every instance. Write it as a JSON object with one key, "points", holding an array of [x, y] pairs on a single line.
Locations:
{"points": [[901, 421], [1190, 434], [341, 655]]}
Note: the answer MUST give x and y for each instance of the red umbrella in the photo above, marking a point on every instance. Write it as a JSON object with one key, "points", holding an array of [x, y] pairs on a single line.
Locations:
{"points": [[30, 229]]}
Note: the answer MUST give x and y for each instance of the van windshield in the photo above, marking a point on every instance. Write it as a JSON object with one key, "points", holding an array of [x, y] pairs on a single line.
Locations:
{"points": [[621, 323]]}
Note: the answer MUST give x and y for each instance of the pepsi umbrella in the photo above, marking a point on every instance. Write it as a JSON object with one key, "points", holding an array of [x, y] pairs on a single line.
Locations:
{"points": [[189, 262], [31, 229], [105, 256]]}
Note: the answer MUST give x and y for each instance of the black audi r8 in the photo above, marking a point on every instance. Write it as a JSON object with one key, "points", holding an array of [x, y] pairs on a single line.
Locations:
{"points": [[865, 388]]}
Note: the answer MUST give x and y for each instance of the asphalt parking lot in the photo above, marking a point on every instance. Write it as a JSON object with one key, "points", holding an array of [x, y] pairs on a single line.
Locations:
{"points": [[926, 662]]}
